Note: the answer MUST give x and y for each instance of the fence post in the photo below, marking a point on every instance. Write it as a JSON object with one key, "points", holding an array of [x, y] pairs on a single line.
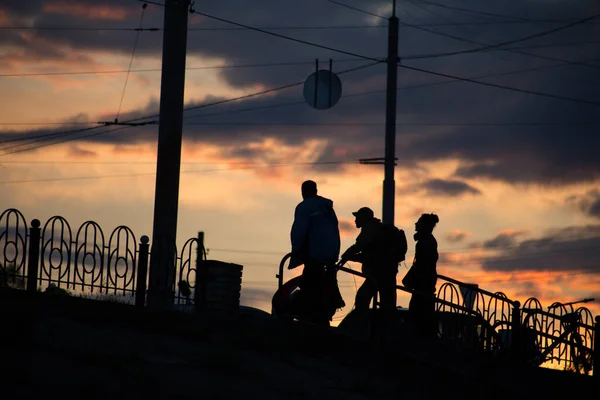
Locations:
{"points": [[596, 353], [33, 256], [142, 269], [516, 334]]}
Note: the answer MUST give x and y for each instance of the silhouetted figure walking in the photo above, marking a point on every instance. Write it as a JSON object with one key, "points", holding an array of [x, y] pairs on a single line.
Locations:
{"points": [[315, 238], [381, 270], [424, 276]]}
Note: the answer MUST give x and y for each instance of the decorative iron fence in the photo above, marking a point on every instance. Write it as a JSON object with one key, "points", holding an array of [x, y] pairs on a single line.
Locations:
{"points": [[86, 261], [494, 323], [561, 335]]}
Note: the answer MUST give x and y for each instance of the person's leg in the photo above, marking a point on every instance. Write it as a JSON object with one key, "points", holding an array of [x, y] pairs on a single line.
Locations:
{"points": [[364, 295], [312, 290], [422, 311], [387, 293]]}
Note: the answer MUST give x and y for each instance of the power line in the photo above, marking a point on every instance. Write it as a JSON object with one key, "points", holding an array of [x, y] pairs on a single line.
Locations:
{"points": [[493, 46], [501, 86], [453, 78], [417, 86], [292, 63], [66, 28], [259, 65], [509, 50], [275, 89], [277, 34], [489, 14], [49, 136], [135, 42], [44, 136], [356, 9], [366, 124], [484, 47], [131, 122], [183, 172], [284, 28], [64, 141]]}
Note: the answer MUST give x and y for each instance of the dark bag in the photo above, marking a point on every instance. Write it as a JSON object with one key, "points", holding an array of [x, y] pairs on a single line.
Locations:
{"points": [[410, 279], [395, 244]]}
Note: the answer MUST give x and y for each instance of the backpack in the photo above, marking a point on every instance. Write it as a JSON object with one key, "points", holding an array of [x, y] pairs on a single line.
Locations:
{"points": [[395, 244]]}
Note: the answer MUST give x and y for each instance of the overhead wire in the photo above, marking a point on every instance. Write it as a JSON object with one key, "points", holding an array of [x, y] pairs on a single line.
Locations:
{"points": [[270, 33], [378, 61], [415, 86], [49, 136], [485, 13], [453, 79], [135, 43], [250, 167], [293, 63], [509, 88], [281, 28], [257, 65], [483, 46]]}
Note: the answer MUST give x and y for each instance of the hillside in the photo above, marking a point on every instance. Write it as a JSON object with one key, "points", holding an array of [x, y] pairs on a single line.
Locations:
{"points": [[80, 348]]}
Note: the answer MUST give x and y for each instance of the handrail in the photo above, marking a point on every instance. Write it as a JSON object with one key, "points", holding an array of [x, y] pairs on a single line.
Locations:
{"points": [[532, 311], [279, 277], [479, 290]]}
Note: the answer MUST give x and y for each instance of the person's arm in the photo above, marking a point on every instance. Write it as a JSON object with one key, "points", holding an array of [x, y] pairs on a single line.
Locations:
{"points": [[300, 228], [354, 252]]}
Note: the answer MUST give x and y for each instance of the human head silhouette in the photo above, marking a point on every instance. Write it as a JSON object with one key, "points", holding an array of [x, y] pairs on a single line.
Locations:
{"points": [[426, 223], [309, 189], [363, 215]]}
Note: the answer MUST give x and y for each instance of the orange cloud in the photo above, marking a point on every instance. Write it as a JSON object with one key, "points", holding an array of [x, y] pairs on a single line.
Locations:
{"points": [[90, 11]]}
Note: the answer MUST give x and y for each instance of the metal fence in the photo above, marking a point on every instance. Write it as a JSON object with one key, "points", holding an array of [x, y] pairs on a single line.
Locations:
{"points": [[493, 323], [562, 335], [86, 261]]}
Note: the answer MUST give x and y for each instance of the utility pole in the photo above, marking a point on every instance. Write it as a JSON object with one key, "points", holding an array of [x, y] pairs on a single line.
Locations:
{"points": [[168, 163], [389, 185]]}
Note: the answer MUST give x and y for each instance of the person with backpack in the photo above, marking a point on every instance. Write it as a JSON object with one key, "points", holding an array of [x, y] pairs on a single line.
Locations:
{"points": [[379, 248], [315, 239]]}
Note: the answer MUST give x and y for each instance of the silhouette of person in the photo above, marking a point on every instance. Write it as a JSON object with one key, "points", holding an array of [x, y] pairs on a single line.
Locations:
{"points": [[422, 304], [315, 239], [380, 270]]}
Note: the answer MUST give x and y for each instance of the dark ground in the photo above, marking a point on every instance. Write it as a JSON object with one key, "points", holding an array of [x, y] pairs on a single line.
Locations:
{"points": [[62, 347]]}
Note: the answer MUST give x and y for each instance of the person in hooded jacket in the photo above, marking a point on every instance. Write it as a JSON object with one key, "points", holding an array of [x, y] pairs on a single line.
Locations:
{"points": [[315, 239]]}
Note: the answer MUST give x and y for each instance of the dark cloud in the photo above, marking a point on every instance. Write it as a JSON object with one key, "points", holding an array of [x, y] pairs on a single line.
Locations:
{"points": [[441, 187], [503, 240], [589, 203], [255, 296], [457, 235], [567, 249], [436, 115]]}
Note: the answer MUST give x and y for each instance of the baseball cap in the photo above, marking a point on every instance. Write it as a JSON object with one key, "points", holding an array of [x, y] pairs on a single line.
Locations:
{"points": [[364, 211]]}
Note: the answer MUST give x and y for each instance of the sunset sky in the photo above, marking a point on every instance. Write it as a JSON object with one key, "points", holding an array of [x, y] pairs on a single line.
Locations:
{"points": [[498, 114]]}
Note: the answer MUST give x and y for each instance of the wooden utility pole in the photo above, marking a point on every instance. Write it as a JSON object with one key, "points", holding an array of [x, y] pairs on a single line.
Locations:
{"points": [[168, 163], [389, 185]]}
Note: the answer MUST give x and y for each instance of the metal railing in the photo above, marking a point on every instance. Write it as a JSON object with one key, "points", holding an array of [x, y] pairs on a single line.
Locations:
{"points": [[86, 261], [528, 334]]}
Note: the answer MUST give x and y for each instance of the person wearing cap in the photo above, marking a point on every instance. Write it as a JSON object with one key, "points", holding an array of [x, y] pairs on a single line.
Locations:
{"points": [[380, 272], [315, 239]]}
